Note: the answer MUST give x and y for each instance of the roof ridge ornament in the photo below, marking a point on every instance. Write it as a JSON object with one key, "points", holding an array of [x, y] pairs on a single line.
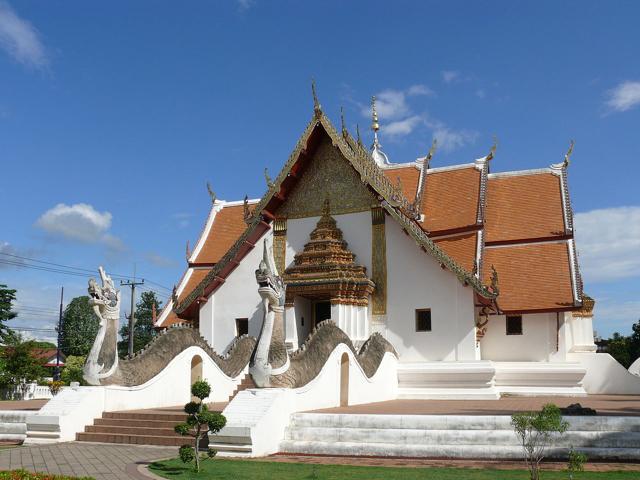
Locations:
{"points": [[358, 138], [567, 156], [247, 213], [417, 201], [188, 251], [317, 108], [268, 179], [494, 281], [212, 194], [345, 133], [494, 147], [378, 155]]}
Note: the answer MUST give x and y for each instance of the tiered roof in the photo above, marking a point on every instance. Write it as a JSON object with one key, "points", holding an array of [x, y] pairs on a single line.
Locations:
{"points": [[468, 219]]}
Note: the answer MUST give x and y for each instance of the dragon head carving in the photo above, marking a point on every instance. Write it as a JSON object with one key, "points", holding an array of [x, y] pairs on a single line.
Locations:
{"points": [[270, 284]]}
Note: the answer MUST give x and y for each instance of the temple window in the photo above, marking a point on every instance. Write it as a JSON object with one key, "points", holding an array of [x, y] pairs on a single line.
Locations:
{"points": [[514, 324], [423, 320], [242, 326]]}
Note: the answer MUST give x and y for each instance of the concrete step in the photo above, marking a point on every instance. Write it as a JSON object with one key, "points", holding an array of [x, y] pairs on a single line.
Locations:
{"points": [[175, 440], [398, 436], [443, 451], [155, 432], [174, 417], [123, 422], [452, 436]]}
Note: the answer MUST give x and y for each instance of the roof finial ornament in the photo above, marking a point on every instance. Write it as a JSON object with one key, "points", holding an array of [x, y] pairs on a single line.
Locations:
{"points": [[567, 157], [359, 139], [342, 123], [188, 251], [432, 151], [494, 147], [316, 104], [267, 178], [247, 213], [212, 194], [494, 281], [174, 294], [326, 207], [378, 155]]}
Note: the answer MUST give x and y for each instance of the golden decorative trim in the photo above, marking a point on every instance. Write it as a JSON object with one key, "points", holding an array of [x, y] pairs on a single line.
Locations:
{"points": [[326, 269], [280, 243], [378, 261], [587, 307]]}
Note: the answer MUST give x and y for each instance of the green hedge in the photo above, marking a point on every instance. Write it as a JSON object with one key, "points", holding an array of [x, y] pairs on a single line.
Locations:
{"points": [[24, 475]]}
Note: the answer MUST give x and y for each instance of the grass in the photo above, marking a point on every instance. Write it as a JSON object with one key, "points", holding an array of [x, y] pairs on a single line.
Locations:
{"points": [[259, 470]]}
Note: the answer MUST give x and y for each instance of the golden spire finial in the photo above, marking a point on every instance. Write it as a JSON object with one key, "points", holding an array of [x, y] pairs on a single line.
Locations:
{"points": [[316, 104], [494, 147], [567, 157], [267, 178], [375, 126]]}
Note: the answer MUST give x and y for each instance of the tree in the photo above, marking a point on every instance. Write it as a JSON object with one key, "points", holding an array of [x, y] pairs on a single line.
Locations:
{"points": [[618, 347], [535, 431], [7, 297], [72, 371], [199, 422], [20, 366], [79, 327], [143, 331]]}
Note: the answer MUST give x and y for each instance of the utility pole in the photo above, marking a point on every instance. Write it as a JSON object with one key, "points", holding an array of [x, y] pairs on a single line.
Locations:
{"points": [[132, 315], [56, 373]]}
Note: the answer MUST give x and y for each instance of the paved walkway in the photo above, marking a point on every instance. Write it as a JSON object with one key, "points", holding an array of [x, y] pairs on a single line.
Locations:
{"points": [[22, 404], [97, 460], [624, 405]]}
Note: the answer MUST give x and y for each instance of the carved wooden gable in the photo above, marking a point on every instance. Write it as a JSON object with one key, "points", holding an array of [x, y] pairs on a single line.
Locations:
{"points": [[327, 175]]}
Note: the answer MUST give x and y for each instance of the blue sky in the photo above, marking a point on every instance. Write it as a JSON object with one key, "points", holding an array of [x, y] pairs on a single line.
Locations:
{"points": [[113, 115]]}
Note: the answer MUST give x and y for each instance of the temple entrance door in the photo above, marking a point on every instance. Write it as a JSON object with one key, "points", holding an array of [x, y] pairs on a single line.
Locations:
{"points": [[344, 380], [196, 373], [321, 311]]}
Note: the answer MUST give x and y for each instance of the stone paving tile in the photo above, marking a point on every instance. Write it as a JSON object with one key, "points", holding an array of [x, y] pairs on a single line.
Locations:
{"points": [[100, 461]]}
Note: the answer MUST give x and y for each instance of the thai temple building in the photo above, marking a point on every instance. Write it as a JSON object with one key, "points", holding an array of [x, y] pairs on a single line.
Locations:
{"points": [[472, 276], [356, 280]]}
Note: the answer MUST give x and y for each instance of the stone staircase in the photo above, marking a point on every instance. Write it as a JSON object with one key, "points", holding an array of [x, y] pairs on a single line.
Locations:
{"points": [[452, 436], [147, 427]]}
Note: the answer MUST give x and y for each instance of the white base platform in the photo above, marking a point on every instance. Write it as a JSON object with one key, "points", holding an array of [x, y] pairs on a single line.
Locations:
{"points": [[452, 436], [486, 380]]}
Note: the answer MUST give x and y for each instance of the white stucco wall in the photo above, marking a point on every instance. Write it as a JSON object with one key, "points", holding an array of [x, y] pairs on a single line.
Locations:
{"points": [[537, 342], [236, 298], [415, 280]]}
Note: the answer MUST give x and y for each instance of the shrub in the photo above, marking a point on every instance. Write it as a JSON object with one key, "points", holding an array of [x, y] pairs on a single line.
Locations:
{"points": [[200, 421], [576, 462], [55, 387], [535, 431]]}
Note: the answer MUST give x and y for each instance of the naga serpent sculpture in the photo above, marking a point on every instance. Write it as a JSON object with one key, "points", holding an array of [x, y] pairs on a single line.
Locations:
{"points": [[102, 366]]}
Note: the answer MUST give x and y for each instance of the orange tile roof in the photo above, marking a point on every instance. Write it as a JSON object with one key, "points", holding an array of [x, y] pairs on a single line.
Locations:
{"points": [[450, 200], [462, 248], [409, 177], [227, 227], [196, 277], [524, 207], [531, 277]]}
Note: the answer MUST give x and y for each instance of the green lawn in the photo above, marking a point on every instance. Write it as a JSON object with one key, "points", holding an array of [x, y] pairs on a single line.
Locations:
{"points": [[258, 470]]}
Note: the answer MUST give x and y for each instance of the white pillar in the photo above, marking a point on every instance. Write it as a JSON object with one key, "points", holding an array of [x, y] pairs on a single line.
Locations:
{"points": [[290, 327]]}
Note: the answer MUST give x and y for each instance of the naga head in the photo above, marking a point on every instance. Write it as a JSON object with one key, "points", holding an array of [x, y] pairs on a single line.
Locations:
{"points": [[270, 284]]}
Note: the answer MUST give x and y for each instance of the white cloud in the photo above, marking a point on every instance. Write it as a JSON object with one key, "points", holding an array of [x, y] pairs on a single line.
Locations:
{"points": [[79, 222], [20, 39], [450, 139], [160, 260], [183, 220], [420, 90], [624, 96], [450, 76], [480, 93], [390, 104], [401, 128], [245, 4], [608, 243]]}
